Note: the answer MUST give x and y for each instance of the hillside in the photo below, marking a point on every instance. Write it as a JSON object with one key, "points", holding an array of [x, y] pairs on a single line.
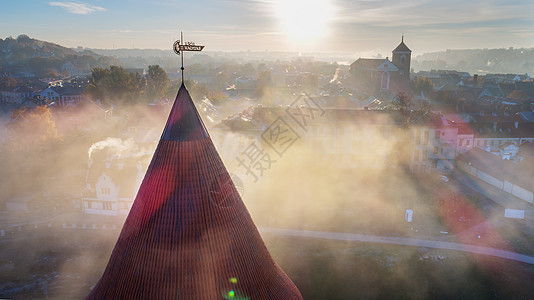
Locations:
{"points": [[28, 55], [482, 61], [24, 47]]}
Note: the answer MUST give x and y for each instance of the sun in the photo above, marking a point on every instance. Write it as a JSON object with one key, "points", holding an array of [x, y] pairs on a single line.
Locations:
{"points": [[304, 19]]}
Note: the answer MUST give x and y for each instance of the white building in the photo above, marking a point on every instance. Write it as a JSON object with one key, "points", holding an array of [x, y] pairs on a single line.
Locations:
{"points": [[112, 184], [63, 96]]}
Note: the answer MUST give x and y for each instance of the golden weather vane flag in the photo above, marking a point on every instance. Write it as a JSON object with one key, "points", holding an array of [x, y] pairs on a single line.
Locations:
{"points": [[179, 47]]}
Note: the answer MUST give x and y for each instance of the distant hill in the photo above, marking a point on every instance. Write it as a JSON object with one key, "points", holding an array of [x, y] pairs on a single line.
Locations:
{"points": [[482, 61], [25, 54], [24, 47]]}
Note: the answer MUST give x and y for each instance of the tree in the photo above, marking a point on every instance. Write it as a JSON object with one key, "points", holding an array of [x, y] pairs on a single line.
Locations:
{"points": [[65, 73], [50, 73], [216, 97], [200, 91], [30, 153], [423, 84], [264, 82], [7, 82], [157, 82], [247, 70], [31, 128], [116, 85], [447, 99], [402, 102], [23, 38]]}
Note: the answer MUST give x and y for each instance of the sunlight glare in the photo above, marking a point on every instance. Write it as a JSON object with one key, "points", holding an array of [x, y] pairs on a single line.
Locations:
{"points": [[304, 19]]}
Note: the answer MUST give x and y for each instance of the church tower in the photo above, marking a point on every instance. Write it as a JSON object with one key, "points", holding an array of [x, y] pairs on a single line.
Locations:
{"points": [[401, 58]]}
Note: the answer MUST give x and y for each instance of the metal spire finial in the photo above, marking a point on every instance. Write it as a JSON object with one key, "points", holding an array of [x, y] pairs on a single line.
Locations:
{"points": [[179, 45]]}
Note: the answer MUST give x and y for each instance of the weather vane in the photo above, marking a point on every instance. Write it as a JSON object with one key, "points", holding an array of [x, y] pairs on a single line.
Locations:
{"points": [[180, 46]]}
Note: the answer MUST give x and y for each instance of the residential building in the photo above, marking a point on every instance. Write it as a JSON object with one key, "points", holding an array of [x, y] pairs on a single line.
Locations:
{"points": [[112, 183], [63, 95], [508, 176]]}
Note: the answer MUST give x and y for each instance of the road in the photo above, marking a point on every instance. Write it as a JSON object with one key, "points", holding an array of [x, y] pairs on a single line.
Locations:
{"points": [[400, 241]]}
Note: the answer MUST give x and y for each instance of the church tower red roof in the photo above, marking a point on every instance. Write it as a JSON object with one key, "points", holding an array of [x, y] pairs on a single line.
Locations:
{"points": [[189, 234]]}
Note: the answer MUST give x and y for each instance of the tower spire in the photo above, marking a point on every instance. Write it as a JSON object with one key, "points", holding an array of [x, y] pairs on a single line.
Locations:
{"points": [[188, 234]]}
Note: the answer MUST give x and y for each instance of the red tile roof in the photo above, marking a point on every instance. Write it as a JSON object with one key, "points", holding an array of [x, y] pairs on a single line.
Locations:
{"points": [[367, 63]]}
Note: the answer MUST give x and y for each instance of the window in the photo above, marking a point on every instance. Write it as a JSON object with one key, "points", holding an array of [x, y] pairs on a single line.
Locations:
{"points": [[425, 138], [107, 205], [425, 154], [435, 150], [437, 134], [468, 143], [417, 137], [403, 59]]}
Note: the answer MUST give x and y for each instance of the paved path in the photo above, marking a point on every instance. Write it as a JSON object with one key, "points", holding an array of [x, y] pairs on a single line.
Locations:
{"points": [[400, 241]]}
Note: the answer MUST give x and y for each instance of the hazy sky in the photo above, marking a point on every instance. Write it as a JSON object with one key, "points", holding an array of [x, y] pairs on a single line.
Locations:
{"points": [[368, 26]]}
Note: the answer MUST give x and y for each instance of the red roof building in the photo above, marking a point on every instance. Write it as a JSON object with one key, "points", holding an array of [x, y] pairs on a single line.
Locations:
{"points": [[188, 234]]}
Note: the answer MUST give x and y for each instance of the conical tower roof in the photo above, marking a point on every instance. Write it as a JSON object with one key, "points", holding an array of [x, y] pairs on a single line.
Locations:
{"points": [[189, 234]]}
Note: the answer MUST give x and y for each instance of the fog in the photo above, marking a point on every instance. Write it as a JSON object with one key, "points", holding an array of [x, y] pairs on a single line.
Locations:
{"points": [[52, 249]]}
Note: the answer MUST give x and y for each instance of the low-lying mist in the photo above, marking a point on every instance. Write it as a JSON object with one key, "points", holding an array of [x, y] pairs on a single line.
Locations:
{"points": [[51, 249]]}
